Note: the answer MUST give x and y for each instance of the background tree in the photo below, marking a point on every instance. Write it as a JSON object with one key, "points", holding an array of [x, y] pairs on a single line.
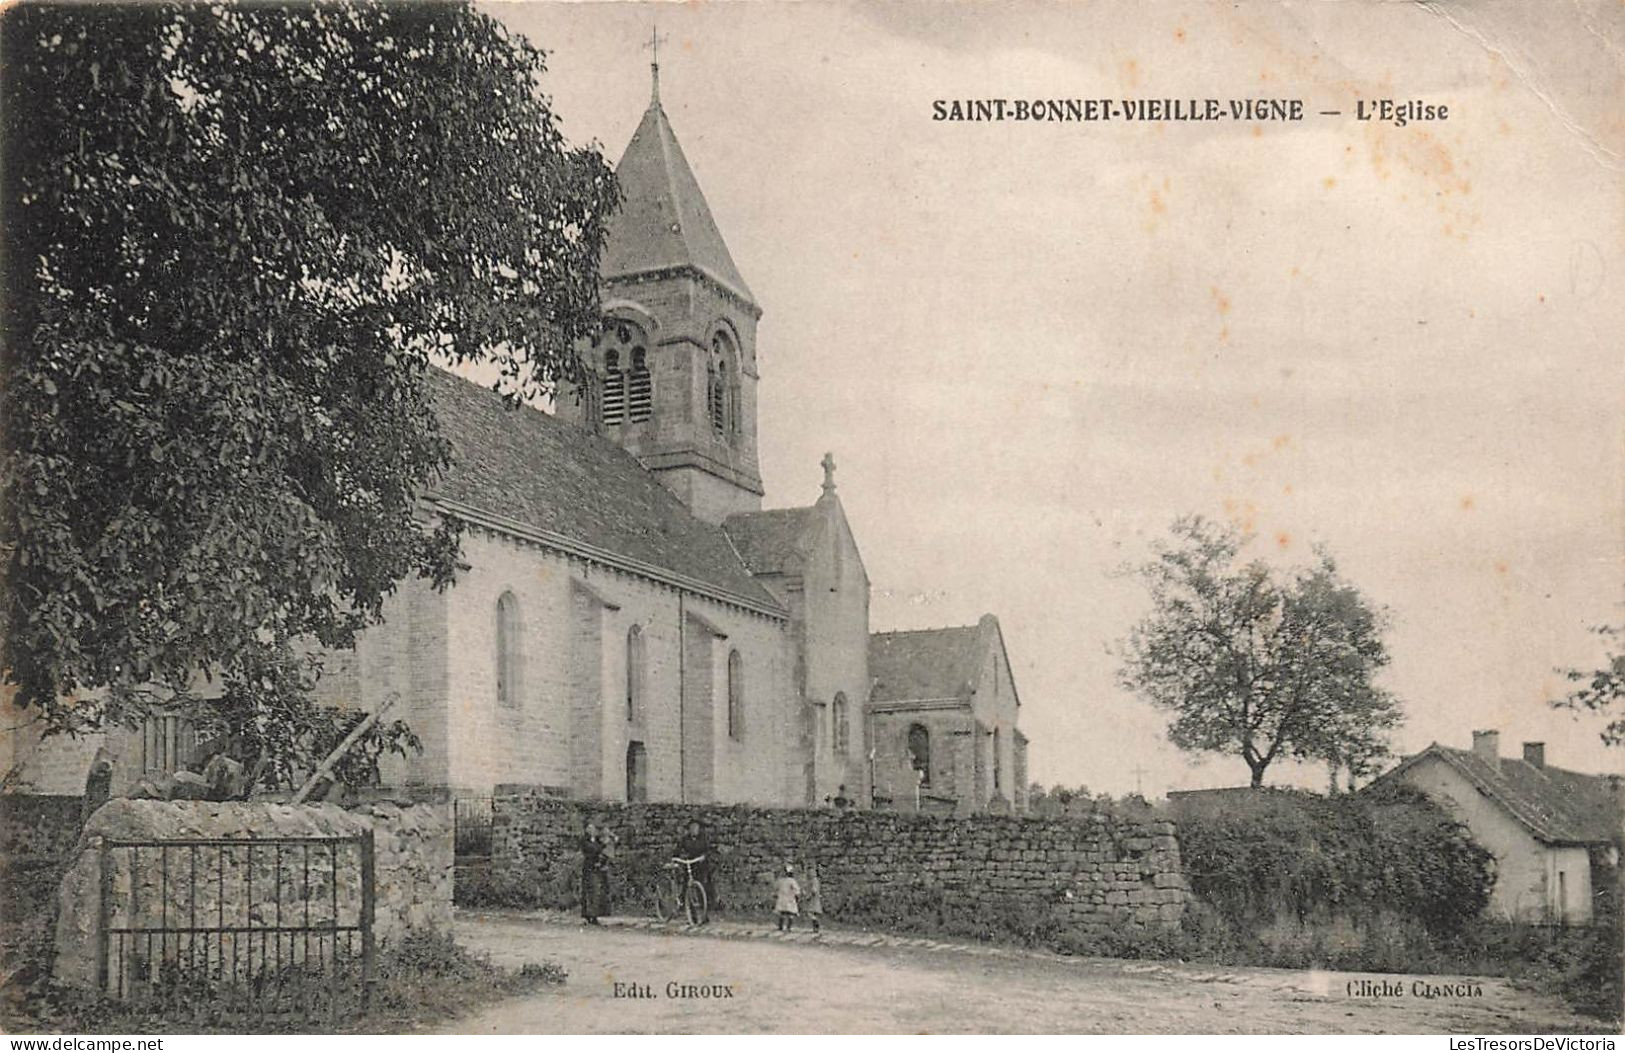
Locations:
{"points": [[236, 237], [1257, 663], [1601, 690]]}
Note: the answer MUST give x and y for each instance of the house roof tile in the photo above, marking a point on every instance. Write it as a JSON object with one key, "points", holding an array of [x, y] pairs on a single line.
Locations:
{"points": [[1556, 805]]}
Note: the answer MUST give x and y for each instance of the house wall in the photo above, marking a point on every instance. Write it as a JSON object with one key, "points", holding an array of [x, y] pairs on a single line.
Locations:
{"points": [[58, 766], [1526, 883]]}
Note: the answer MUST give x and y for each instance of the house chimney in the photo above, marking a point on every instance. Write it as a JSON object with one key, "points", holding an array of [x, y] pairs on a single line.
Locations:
{"points": [[1487, 745], [1535, 753]]}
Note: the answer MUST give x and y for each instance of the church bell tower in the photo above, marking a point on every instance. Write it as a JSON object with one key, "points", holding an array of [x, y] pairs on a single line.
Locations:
{"points": [[672, 377]]}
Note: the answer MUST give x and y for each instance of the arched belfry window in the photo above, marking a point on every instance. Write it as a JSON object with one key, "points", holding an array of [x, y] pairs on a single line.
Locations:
{"points": [[634, 673], [919, 752], [628, 385], [509, 652], [736, 696], [842, 723]]}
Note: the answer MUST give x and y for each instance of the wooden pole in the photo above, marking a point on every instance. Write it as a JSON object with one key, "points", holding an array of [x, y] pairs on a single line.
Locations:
{"points": [[325, 768]]}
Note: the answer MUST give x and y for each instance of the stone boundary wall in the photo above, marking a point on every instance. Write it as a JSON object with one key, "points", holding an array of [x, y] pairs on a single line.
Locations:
{"points": [[36, 827], [1088, 874], [412, 847]]}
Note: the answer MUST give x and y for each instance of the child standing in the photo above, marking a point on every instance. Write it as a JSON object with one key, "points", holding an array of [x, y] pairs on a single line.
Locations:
{"points": [[812, 902], [789, 892]]}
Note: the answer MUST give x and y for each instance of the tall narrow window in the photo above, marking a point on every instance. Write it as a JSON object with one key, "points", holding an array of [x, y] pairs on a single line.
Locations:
{"points": [[842, 728], [509, 656], [722, 389], [637, 773], [735, 415], [634, 673], [736, 697], [614, 401], [998, 762], [919, 752], [639, 388], [713, 397]]}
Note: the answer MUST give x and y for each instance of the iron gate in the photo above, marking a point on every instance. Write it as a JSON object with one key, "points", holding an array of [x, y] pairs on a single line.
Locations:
{"points": [[251, 929]]}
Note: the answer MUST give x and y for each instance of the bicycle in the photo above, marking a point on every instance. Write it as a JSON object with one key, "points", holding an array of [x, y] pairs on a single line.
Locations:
{"points": [[682, 893]]}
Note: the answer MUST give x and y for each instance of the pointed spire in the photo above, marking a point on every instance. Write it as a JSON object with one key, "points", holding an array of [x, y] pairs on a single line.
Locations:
{"points": [[654, 65], [664, 221], [829, 473]]}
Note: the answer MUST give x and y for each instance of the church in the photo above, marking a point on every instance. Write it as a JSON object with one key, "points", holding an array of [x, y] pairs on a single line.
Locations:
{"points": [[633, 625]]}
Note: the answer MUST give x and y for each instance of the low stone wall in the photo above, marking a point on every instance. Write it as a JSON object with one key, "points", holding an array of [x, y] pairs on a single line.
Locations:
{"points": [[1086, 875], [36, 827], [247, 886]]}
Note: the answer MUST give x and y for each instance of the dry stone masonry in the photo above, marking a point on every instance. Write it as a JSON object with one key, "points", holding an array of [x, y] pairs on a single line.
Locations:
{"points": [[247, 885], [1089, 874]]}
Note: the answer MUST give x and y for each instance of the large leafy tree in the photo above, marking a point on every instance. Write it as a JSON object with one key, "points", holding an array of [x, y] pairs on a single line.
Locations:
{"points": [[1259, 663], [237, 238], [1601, 690]]}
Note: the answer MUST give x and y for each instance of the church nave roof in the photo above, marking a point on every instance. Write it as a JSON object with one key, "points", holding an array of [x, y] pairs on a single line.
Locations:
{"points": [[550, 476]]}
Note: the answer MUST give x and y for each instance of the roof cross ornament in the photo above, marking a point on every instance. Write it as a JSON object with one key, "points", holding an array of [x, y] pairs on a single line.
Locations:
{"points": [[829, 472], [653, 45]]}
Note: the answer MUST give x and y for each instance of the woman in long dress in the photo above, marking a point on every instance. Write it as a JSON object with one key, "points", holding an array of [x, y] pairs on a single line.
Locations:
{"points": [[594, 876]]}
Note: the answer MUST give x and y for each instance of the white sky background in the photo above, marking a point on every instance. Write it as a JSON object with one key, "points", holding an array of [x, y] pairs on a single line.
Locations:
{"points": [[1030, 347]]}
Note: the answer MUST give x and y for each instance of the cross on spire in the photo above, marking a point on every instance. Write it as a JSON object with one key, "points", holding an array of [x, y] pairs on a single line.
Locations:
{"points": [[828, 464], [654, 63]]}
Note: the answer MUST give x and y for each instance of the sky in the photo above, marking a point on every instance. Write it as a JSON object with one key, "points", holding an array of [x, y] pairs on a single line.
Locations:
{"points": [[1030, 347]]}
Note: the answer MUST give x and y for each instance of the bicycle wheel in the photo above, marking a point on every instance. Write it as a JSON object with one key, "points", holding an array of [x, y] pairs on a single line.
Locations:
{"points": [[695, 905], [666, 899]]}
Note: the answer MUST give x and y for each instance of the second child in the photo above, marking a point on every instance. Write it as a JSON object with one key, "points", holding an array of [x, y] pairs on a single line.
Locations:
{"points": [[788, 891]]}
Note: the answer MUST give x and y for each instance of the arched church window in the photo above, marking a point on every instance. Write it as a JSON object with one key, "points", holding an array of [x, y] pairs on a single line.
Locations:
{"points": [[736, 696], [919, 752], [509, 652], [628, 384], [842, 727], [998, 761], [634, 673]]}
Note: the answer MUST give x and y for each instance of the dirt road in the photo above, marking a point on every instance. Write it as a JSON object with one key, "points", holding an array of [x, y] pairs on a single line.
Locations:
{"points": [[739, 978]]}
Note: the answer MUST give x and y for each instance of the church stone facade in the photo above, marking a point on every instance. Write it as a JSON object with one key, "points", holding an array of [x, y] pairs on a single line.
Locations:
{"points": [[633, 625]]}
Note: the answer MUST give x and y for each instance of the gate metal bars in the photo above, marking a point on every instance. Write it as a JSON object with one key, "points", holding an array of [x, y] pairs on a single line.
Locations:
{"points": [[260, 930]]}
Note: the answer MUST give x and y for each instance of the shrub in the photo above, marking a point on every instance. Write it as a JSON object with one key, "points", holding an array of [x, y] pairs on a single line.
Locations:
{"points": [[1283, 855]]}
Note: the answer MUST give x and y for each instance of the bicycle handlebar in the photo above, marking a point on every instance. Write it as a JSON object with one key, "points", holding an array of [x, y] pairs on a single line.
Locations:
{"points": [[677, 861]]}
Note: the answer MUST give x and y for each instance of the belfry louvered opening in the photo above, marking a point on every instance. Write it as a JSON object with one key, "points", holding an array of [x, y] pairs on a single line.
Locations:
{"points": [[627, 385]]}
